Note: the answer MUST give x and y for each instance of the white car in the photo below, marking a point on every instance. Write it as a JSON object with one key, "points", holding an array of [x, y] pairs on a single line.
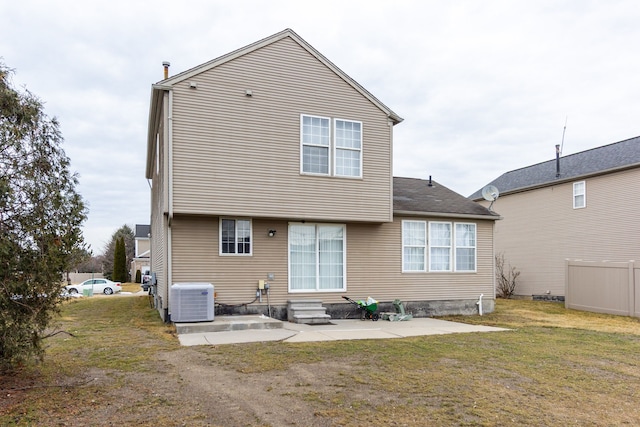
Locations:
{"points": [[103, 286]]}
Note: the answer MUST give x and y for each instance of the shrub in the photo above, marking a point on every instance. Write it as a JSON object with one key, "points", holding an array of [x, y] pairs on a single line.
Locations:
{"points": [[506, 276]]}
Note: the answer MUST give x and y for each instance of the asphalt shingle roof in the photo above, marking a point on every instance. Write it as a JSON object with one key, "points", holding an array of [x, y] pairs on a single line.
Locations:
{"points": [[600, 160], [416, 196], [142, 230]]}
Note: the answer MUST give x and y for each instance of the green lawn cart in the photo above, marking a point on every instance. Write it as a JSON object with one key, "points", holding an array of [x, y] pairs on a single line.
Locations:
{"points": [[367, 308]]}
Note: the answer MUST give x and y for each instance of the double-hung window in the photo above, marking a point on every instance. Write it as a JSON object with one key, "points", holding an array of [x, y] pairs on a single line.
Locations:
{"points": [[235, 236], [317, 257], [465, 247], [414, 245], [579, 195], [316, 137], [330, 150], [348, 152], [439, 246]]}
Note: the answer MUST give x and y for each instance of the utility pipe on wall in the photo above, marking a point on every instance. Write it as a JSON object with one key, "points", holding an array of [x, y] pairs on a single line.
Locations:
{"points": [[479, 303]]}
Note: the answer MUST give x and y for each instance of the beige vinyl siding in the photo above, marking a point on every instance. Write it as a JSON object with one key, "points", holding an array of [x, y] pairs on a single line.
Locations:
{"points": [[143, 245], [239, 155], [158, 224], [374, 264], [158, 247], [235, 278], [540, 229]]}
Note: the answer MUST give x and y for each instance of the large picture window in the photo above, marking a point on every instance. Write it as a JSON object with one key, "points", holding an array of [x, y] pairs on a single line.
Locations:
{"points": [[336, 152], [442, 246], [316, 257], [235, 236]]}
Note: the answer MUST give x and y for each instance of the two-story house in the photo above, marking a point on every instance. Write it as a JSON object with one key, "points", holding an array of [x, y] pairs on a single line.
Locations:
{"points": [[270, 163], [583, 206]]}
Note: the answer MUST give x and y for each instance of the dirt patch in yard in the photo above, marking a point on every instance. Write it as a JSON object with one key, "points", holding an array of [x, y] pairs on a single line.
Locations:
{"points": [[125, 368], [185, 389]]}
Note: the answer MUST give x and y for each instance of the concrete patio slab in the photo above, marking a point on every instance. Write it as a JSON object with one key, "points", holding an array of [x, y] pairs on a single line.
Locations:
{"points": [[336, 330]]}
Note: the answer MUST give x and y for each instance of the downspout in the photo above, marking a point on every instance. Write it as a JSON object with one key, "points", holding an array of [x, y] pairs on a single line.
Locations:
{"points": [[390, 124], [493, 269], [479, 303], [493, 258], [170, 201]]}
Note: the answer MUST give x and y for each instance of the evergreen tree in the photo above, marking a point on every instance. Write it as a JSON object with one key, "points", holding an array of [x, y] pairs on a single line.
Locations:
{"points": [[40, 218], [129, 243], [120, 262]]}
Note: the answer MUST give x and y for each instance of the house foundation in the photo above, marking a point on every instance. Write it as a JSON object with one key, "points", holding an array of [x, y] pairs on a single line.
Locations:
{"points": [[349, 311]]}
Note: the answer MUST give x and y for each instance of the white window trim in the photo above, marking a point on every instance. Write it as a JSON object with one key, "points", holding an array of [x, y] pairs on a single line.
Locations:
{"points": [[335, 147], [328, 147], [475, 248], [344, 260], [453, 268], [331, 148], [426, 247], [236, 236], [583, 194]]}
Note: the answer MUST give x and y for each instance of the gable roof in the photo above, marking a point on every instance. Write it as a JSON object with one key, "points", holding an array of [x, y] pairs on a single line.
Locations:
{"points": [[413, 196], [596, 161], [185, 75], [167, 84]]}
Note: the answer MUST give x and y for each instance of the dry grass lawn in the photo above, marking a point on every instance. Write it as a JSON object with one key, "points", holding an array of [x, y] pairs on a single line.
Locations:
{"points": [[124, 367]]}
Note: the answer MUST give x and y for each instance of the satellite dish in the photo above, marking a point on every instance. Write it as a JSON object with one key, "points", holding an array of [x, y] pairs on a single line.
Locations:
{"points": [[490, 194]]}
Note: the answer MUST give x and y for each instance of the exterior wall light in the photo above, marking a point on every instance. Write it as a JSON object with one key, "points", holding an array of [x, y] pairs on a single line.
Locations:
{"points": [[272, 233]]}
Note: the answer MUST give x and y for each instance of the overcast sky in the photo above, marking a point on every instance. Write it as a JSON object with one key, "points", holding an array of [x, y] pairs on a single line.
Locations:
{"points": [[484, 86]]}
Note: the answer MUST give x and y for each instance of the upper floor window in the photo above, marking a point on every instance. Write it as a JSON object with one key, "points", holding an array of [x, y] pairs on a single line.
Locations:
{"points": [[326, 153], [315, 135], [579, 195], [235, 236], [348, 148]]}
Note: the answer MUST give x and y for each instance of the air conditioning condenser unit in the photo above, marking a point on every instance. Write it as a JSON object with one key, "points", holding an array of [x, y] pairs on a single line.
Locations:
{"points": [[192, 302]]}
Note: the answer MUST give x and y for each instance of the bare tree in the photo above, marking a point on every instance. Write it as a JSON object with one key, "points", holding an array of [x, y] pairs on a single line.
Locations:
{"points": [[506, 276], [90, 264]]}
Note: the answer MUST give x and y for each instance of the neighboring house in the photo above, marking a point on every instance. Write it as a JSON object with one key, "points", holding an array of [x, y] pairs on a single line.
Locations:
{"points": [[142, 250], [270, 163], [582, 206]]}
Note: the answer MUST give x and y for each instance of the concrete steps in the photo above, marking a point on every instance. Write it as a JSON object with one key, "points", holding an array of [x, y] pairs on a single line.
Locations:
{"points": [[308, 311], [229, 323]]}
